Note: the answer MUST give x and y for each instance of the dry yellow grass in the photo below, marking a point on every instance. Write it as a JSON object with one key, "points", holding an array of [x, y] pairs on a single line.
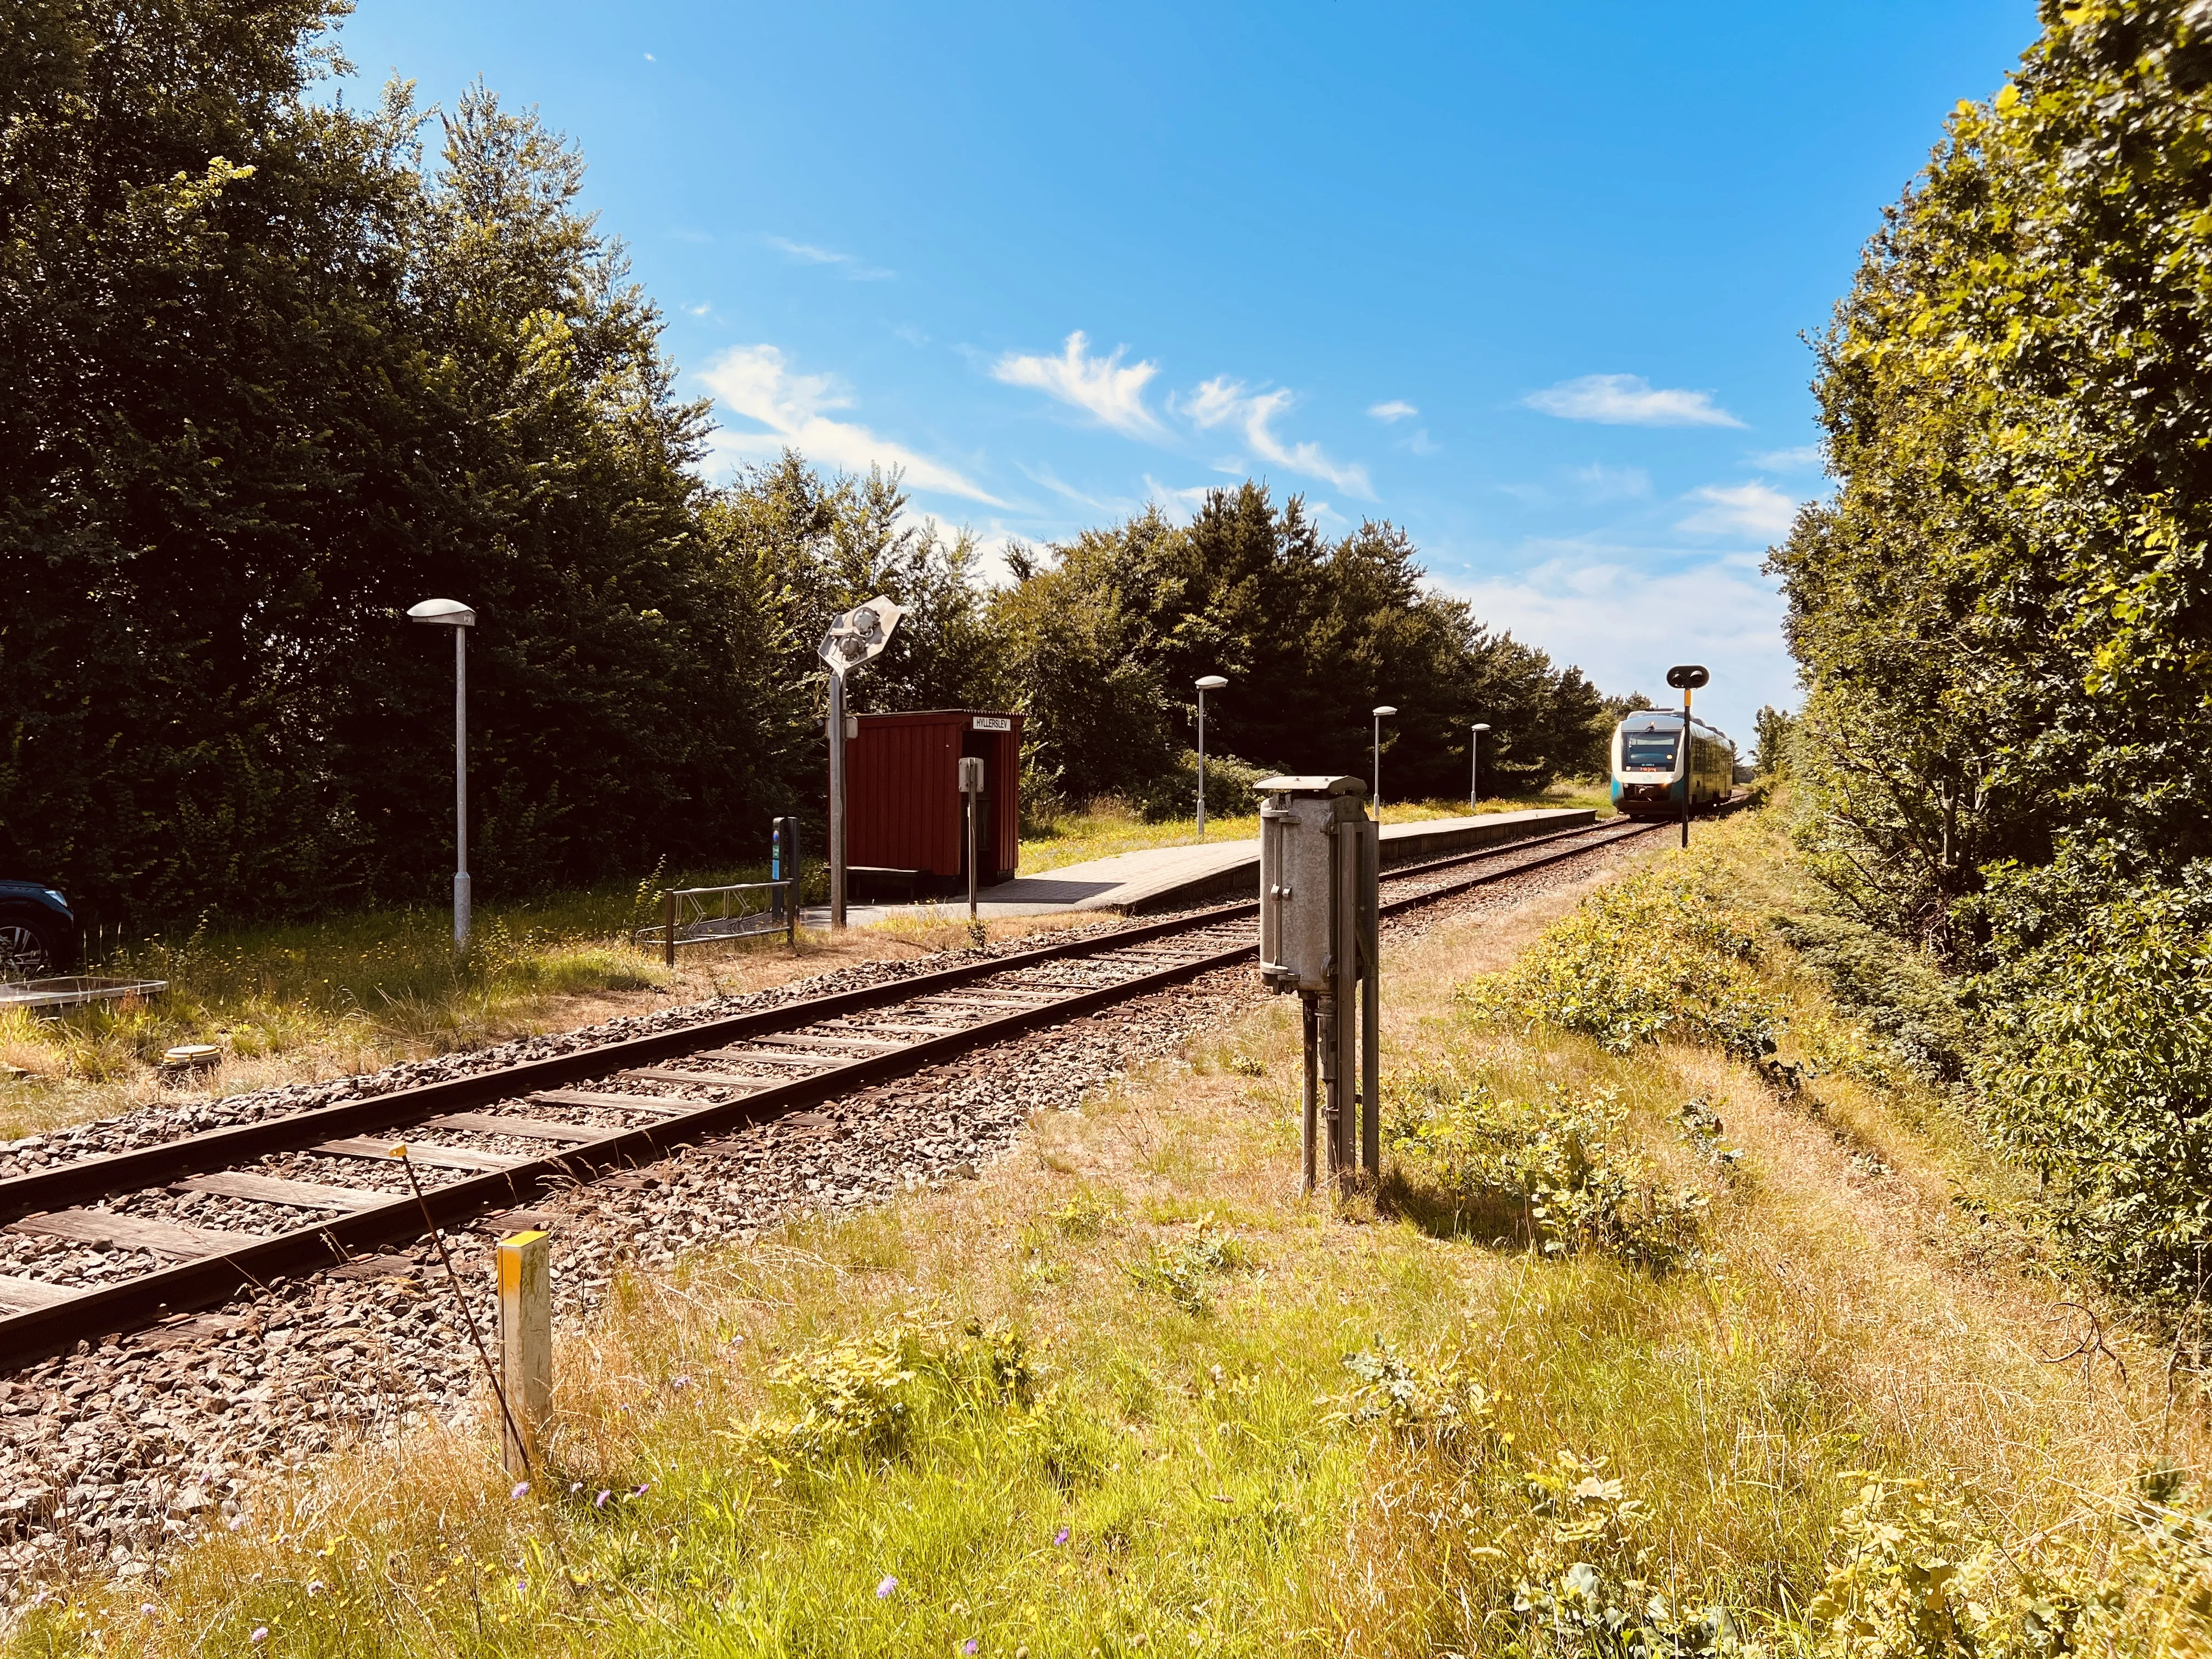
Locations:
{"points": [[1846, 1315]]}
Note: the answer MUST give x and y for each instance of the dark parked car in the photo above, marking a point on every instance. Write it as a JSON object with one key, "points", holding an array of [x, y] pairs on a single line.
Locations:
{"points": [[37, 931]]}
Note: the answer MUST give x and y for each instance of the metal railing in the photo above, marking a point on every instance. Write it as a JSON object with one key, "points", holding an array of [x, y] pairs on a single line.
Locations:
{"points": [[692, 916]]}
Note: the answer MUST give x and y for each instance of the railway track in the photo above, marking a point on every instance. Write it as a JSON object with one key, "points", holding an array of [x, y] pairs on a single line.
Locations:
{"points": [[207, 1215]]}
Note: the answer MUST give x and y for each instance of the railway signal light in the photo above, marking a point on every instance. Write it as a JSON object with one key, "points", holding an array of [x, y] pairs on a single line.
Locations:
{"points": [[1686, 677]]}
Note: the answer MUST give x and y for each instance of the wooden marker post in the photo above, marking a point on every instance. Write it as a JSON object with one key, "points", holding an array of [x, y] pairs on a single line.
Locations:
{"points": [[525, 1347]]}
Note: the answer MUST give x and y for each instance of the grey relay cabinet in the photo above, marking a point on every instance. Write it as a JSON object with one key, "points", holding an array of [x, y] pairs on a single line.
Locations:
{"points": [[1319, 854]]}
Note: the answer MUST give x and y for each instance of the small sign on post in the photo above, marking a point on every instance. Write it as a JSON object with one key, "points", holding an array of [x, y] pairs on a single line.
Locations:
{"points": [[971, 795], [525, 1347]]}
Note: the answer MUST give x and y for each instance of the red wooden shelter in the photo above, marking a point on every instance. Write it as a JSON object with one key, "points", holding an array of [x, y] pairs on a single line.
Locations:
{"points": [[903, 809]]}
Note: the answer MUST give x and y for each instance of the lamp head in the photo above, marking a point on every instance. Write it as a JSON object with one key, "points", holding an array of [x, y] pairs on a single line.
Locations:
{"points": [[442, 613], [860, 634], [1480, 726], [1213, 683], [1385, 709]]}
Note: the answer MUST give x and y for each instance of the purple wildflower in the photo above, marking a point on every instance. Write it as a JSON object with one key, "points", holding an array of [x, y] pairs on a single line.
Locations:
{"points": [[1060, 1537], [600, 1502], [149, 1609], [970, 1645], [641, 1489], [521, 1490], [260, 1635], [884, 1589]]}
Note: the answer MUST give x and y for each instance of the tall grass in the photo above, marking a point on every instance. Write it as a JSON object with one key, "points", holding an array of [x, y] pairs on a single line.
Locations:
{"points": [[1129, 1395]]}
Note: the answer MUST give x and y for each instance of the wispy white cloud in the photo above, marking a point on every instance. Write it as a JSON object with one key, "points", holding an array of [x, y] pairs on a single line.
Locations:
{"points": [[1421, 444], [683, 234], [1789, 460], [1396, 409], [1607, 609], [700, 310], [848, 266], [1745, 509], [1102, 385], [1182, 500], [755, 383], [1628, 400], [1600, 482], [1045, 475], [1224, 402]]}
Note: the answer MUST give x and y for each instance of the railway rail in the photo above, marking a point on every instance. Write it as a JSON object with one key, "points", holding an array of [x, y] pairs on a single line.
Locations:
{"points": [[214, 1214]]}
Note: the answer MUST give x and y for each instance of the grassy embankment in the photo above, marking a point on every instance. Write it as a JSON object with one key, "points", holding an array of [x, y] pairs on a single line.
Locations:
{"points": [[352, 993], [1642, 1316]]}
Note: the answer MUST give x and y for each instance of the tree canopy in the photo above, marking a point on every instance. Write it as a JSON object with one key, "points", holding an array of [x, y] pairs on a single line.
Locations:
{"points": [[2005, 615], [279, 368]]}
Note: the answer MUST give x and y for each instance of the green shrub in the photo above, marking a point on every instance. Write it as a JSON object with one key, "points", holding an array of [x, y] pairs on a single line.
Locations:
{"points": [[870, 1396], [1183, 1271], [1896, 989], [1655, 957], [2096, 1068], [1542, 1173], [1429, 1405], [1229, 791], [1915, 1580]]}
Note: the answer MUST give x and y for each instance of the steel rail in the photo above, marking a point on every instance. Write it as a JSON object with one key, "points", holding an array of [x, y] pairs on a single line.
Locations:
{"points": [[201, 1281]]}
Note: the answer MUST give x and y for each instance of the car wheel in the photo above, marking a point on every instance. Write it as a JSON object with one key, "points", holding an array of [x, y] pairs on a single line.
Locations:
{"points": [[26, 952]]}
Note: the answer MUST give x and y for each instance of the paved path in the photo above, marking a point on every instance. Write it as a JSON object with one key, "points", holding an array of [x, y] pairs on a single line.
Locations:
{"points": [[1170, 878]]}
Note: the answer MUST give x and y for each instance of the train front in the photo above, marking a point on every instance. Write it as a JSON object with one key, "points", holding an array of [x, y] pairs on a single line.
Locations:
{"points": [[1649, 775]]}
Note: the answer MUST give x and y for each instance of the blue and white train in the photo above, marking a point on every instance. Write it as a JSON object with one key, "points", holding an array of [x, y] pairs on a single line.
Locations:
{"points": [[1651, 775]]}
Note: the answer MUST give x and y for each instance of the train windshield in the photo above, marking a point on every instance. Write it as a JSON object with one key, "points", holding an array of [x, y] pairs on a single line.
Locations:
{"points": [[1647, 751]]}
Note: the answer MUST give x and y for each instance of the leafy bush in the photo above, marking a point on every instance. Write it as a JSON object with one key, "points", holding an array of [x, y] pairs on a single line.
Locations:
{"points": [[1896, 989], [868, 1396], [1437, 1405], [1183, 1271], [1542, 1173], [1655, 957], [1231, 788], [2096, 1067], [1915, 1581]]}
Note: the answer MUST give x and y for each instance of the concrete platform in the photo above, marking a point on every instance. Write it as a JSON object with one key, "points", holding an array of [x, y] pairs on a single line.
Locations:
{"points": [[1175, 878]]}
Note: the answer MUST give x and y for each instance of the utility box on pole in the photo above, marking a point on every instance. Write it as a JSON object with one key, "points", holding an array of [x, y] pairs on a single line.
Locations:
{"points": [[1319, 859]]}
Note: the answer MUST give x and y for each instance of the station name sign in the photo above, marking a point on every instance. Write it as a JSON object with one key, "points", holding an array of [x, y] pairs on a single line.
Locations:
{"points": [[993, 723]]}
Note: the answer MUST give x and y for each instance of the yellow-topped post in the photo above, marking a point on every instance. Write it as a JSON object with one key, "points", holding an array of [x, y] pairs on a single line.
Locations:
{"points": [[525, 1346]]}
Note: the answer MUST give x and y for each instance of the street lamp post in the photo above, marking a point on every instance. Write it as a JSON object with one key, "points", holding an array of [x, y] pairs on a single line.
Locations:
{"points": [[1380, 712], [452, 613], [1208, 683], [1475, 764], [855, 636]]}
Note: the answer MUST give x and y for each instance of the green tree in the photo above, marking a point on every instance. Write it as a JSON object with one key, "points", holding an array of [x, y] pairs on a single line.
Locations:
{"points": [[2003, 616]]}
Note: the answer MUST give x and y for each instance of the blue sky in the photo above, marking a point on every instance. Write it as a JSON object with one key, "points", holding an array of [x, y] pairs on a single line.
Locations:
{"points": [[1529, 281]]}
